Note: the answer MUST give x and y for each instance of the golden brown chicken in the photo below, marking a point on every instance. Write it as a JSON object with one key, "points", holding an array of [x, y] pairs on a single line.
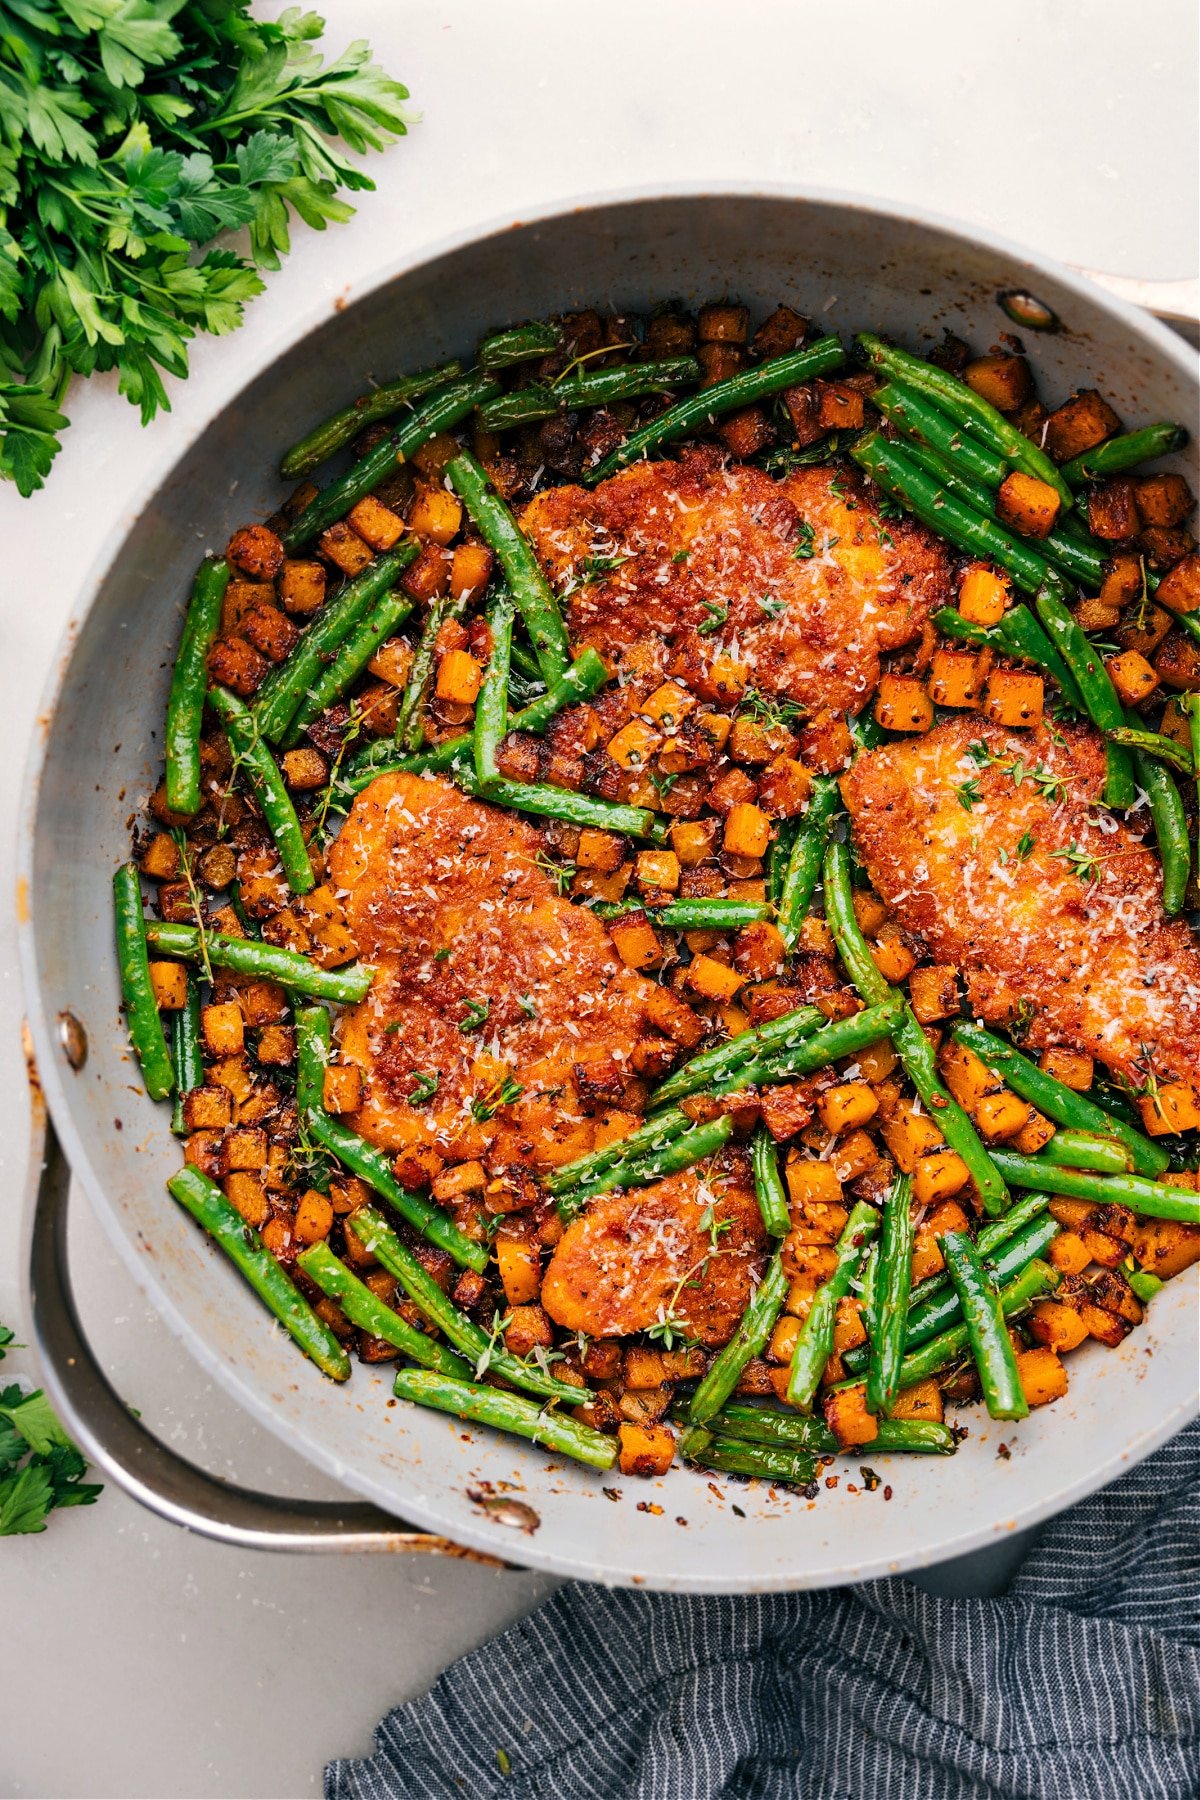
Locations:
{"points": [[501, 1018], [685, 1250], [798, 582], [989, 847]]}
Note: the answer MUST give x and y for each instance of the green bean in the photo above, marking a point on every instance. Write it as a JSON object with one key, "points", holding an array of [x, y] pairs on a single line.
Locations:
{"points": [[1082, 557], [689, 915], [680, 1152], [1018, 635], [287, 686], [409, 734], [374, 1167], [269, 962], [1150, 1199], [724, 396], [807, 1431], [187, 1056], [772, 1201], [754, 1328], [712, 1065], [1100, 697], [777, 858], [547, 802], [522, 571], [1153, 743], [590, 387], [1036, 1279], [844, 1037], [507, 1412], [381, 403], [1189, 624], [250, 927], [987, 1333], [481, 1350], [1004, 1262], [142, 1017], [354, 653], [656, 1132], [246, 1250], [1084, 1150], [899, 475], [814, 1341], [185, 708], [1170, 829], [444, 408], [518, 343], [368, 1312], [1144, 1284], [804, 863], [916, 1053], [890, 1303], [865, 731], [1190, 704], [948, 475], [912, 1046], [1123, 452], [727, 1456], [920, 418], [934, 1306], [1060, 1103], [586, 675], [966, 408], [491, 708], [314, 1038]]}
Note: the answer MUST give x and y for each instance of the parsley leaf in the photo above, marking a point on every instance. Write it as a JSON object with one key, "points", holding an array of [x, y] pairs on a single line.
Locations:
{"points": [[40, 1468], [133, 133]]}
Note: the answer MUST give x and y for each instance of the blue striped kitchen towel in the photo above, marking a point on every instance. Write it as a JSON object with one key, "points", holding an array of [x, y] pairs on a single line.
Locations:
{"points": [[1081, 1683]]}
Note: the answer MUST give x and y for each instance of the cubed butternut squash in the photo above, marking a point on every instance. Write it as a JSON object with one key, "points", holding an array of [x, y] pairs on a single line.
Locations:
{"points": [[646, 1450], [1030, 506], [1015, 697], [903, 705], [982, 595]]}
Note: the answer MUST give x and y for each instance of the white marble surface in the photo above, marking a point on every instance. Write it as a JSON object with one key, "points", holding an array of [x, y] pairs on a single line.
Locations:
{"points": [[139, 1661]]}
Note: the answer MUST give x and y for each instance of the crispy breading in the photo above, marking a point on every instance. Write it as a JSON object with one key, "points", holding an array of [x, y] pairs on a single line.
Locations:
{"points": [[1001, 862], [690, 560], [446, 895], [633, 1259]]}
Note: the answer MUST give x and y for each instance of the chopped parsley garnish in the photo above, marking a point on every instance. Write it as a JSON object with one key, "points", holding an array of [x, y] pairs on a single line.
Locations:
{"points": [[503, 1094], [442, 955], [681, 556], [40, 1468], [772, 605]]}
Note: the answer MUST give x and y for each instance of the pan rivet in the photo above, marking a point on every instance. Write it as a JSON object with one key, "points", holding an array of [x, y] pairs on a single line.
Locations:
{"points": [[1029, 311], [506, 1511], [73, 1038]]}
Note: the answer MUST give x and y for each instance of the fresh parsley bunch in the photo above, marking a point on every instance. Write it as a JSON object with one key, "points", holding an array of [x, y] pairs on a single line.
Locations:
{"points": [[40, 1468], [132, 133]]}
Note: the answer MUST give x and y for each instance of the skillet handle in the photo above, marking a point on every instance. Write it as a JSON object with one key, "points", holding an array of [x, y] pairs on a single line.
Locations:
{"points": [[111, 1437]]}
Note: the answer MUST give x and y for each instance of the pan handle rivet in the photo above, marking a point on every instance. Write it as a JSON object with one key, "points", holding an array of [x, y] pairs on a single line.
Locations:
{"points": [[73, 1038]]}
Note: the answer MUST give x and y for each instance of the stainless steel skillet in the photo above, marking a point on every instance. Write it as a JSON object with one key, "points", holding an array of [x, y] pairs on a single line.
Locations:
{"points": [[843, 262]]}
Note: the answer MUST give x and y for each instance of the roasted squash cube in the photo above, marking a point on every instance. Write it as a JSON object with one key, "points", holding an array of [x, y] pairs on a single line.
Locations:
{"points": [[223, 1028], [341, 1090], [636, 941], [245, 1191], [304, 770], [933, 993], [376, 523], [169, 982], [1112, 511], [747, 831], [712, 979], [784, 787], [645, 1449], [956, 678], [1074, 1069], [341, 545], [1083, 422], [1179, 591], [847, 1417], [1132, 676], [1005, 382], [270, 631], [256, 551], [237, 665], [207, 1108], [1027, 504], [849, 1104], [903, 705], [982, 596], [1042, 1376], [1015, 697]]}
